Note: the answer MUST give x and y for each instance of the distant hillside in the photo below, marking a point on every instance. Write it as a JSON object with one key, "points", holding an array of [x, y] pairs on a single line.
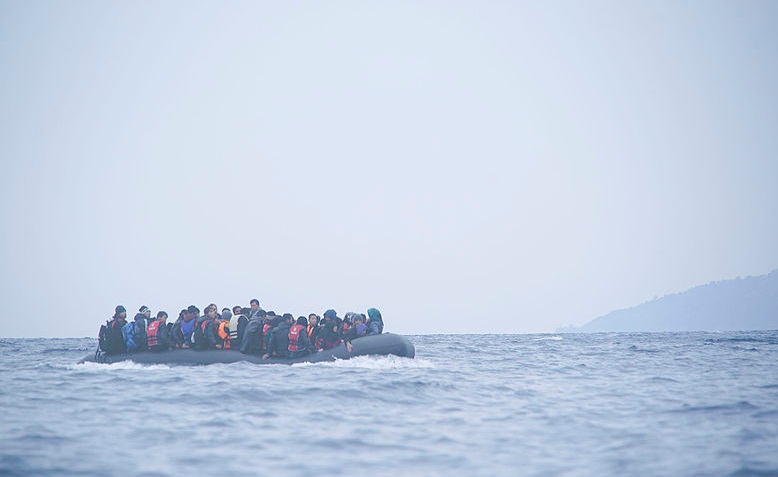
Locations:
{"points": [[749, 303]]}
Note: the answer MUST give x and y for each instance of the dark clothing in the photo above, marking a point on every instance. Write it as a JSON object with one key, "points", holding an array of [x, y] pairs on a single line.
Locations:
{"points": [[354, 332], [330, 334], [205, 336], [113, 343], [140, 332], [375, 327], [277, 340], [251, 337]]}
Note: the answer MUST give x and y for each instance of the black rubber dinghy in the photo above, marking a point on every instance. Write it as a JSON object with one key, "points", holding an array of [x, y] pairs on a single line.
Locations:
{"points": [[381, 345]]}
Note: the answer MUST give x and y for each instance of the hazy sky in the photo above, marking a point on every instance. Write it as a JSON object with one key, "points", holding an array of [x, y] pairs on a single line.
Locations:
{"points": [[462, 166]]}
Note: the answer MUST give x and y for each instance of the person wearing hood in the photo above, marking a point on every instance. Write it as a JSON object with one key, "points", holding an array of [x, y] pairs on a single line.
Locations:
{"points": [[110, 338], [375, 325], [330, 332], [251, 340], [141, 319]]}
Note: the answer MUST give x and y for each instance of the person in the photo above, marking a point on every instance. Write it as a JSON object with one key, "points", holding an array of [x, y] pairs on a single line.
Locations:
{"points": [[157, 333], [251, 340], [360, 325], [313, 328], [357, 330], [223, 327], [329, 334], [134, 333], [237, 327], [205, 336], [298, 339], [277, 339], [147, 315], [254, 303], [110, 337], [188, 325], [375, 325]]}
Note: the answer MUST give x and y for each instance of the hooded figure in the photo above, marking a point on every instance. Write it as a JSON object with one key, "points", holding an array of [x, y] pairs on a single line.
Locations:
{"points": [[376, 324], [330, 332]]}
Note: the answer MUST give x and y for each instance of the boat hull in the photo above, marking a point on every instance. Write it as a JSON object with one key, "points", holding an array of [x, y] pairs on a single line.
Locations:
{"points": [[381, 345]]}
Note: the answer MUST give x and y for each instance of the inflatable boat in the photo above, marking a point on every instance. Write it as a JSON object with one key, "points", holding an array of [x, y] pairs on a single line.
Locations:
{"points": [[380, 345]]}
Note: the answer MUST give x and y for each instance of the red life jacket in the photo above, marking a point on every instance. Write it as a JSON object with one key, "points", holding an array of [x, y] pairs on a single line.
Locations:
{"points": [[151, 332], [266, 328], [294, 335]]}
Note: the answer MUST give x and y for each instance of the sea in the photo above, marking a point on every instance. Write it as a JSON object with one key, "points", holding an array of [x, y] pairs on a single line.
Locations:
{"points": [[601, 404]]}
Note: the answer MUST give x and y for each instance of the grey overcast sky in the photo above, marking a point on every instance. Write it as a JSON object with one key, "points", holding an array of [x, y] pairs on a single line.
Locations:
{"points": [[474, 166]]}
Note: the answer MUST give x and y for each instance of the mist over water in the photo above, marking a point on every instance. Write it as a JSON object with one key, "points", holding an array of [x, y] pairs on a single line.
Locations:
{"points": [[485, 405]]}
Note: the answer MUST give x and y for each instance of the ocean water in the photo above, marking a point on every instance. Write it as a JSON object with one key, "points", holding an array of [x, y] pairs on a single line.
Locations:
{"points": [[627, 404]]}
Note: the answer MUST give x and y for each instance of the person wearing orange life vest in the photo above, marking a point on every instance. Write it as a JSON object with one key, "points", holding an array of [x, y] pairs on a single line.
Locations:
{"points": [[299, 344], [313, 329], [223, 327], [157, 333]]}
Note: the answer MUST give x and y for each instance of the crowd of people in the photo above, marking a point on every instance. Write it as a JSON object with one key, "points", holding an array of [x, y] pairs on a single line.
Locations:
{"points": [[250, 330]]}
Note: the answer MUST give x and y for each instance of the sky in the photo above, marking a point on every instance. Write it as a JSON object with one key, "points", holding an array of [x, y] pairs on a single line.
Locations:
{"points": [[465, 167]]}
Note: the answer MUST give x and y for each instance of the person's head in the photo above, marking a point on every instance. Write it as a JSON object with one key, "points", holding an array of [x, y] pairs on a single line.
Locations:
{"points": [[288, 317], [301, 320], [215, 308], [330, 314], [237, 310], [226, 309], [313, 319], [145, 310], [246, 311], [254, 305], [193, 311], [182, 313], [211, 312], [271, 313], [374, 314], [120, 312], [360, 318], [161, 315]]}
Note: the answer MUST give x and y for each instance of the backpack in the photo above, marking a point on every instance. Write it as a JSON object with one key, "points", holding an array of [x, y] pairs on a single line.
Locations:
{"points": [[128, 333], [104, 336]]}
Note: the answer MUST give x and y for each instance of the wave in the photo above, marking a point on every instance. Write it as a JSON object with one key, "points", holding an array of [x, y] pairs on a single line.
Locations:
{"points": [[373, 362]]}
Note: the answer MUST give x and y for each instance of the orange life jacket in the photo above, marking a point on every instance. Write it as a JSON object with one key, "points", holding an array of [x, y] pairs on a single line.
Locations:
{"points": [[294, 336]]}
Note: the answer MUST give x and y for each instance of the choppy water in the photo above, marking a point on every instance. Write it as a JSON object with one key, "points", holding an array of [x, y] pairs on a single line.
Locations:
{"points": [[668, 404]]}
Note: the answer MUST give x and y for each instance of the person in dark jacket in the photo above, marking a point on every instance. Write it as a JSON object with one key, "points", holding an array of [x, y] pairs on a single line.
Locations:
{"points": [[111, 339], [251, 340], [329, 334], [277, 339], [140, 329], [205, 336]]}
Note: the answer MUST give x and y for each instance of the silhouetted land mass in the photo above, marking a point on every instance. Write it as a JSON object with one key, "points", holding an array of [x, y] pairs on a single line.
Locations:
{"points": [[749, 303]]}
